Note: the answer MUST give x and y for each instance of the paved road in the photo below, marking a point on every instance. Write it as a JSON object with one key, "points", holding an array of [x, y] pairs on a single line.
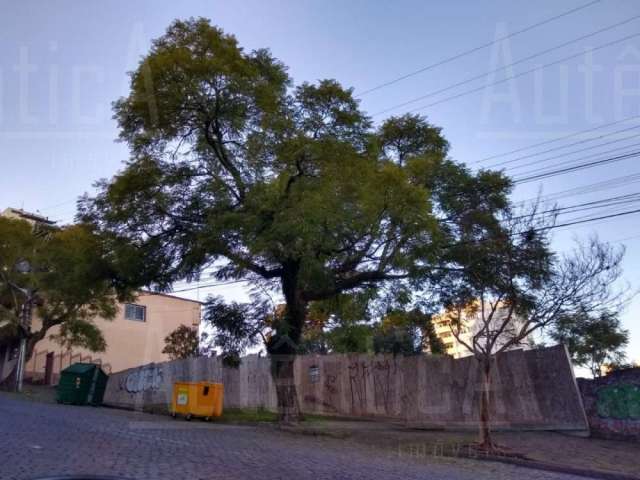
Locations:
{"points": [[41, 439]]}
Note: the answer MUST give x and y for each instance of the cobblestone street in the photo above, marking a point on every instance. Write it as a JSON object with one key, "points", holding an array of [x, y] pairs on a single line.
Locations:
{"points": [[43, 439]]}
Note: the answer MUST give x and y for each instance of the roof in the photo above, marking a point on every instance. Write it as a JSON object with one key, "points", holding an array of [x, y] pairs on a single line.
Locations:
{"points": [[168, 295], [29, 216]]}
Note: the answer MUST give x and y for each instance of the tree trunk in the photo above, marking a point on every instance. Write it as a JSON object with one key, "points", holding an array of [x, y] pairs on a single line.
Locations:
{"points": [[284, 345], [486, 442], [283, 375]]}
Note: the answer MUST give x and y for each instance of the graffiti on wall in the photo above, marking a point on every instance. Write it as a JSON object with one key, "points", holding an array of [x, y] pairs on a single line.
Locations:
{"points": [[382, 384], [142, 380], [358, 376], [621, 402], [371, 378]]}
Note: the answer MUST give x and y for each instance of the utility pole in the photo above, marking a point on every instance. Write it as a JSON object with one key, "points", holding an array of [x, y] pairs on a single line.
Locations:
{"points": [[25, 330]]}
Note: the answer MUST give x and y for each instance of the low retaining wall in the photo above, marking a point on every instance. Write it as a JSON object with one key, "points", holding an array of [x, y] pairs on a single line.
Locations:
{"points": [[612, 404], [532, 389]]}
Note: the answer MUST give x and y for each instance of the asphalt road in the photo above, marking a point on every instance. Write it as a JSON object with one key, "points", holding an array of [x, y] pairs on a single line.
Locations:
{"points": [[39, 439]]}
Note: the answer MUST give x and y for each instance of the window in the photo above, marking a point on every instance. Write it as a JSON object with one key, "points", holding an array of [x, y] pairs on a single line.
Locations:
{"points": [[137, 313], [448, 345], [445, 334]]}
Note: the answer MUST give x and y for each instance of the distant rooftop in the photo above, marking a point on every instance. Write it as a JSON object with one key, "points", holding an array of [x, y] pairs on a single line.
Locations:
{"points": [[28, 216]]}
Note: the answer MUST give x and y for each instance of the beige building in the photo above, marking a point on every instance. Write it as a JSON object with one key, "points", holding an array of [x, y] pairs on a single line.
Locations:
{"points": [[134, 337], [470, 324], [19, 214]]}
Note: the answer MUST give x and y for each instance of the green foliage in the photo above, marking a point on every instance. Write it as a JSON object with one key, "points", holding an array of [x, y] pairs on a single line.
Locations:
{"points": [[183, 342], [593, 340], [237, 326], [234, 168], [82, 334], [350, 338], [70, 274], [406, 333]]}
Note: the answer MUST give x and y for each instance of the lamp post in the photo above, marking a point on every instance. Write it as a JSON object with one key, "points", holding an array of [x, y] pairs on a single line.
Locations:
{"points": [[25, 331], [25, 324]]}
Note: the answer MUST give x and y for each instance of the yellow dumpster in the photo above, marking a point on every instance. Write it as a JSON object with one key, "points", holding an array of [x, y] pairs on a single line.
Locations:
{"points": [[197, 399]]}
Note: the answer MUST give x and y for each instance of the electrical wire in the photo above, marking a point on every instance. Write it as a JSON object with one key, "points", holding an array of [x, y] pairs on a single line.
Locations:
{"points": [[504, 67], [547, 142], [582, 166], [518, 75], [560, 147], [474, 49]]}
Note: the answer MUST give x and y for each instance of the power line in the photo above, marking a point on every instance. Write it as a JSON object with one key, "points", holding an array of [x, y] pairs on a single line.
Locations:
{"points": [[580, 150], [513, 64], [604, 217], [518, 75], [602, 203], [475, 49], [216, 284], [582, 166], [546, 142], [561, 147], [585, 189], [544, 160]]}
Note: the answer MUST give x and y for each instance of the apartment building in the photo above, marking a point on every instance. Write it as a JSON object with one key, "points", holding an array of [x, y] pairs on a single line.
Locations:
{"points": [[470, 325]]}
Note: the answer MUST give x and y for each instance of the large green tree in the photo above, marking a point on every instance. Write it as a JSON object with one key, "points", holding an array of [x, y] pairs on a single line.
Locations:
{"points": [[233, 168], [67, 276]]}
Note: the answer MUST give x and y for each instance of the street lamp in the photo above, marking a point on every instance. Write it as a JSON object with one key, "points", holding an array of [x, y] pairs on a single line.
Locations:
{"points": [[25, 322]]}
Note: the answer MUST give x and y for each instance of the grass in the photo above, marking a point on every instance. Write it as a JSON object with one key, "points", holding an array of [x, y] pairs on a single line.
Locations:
{"points": [[247, 415], [258, 415]]}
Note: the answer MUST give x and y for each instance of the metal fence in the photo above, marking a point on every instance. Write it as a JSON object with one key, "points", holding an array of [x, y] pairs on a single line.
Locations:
{"points": [[44, 367]]}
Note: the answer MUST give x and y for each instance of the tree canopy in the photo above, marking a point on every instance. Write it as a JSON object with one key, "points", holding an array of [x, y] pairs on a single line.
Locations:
{"points": [[69, 273], [595, 340], [235, 169], [183, 342]]}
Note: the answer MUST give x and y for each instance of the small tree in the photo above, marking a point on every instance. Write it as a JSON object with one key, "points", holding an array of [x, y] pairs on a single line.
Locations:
{"points": [[70, 276], [183, 342], [407, 333], [594, 341], [513, 285]]}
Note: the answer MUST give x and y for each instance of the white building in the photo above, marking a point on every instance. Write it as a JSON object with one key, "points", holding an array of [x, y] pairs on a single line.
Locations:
{"points": [[471, 322]]}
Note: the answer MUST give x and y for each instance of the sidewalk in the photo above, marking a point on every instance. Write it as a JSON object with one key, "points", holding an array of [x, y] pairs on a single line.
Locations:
{"points": [[545, 450]]}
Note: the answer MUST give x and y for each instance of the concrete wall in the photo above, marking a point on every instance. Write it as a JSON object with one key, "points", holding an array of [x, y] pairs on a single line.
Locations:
{"points": [[612, 404], [150, 387], [532, 389]]}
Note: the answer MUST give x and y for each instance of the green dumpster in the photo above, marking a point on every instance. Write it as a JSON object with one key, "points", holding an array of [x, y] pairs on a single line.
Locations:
{"points": [[82, 384]]}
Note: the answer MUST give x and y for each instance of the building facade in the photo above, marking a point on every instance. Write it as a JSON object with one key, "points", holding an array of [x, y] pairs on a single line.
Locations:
{"points": [[134, 337], [471, 322]]}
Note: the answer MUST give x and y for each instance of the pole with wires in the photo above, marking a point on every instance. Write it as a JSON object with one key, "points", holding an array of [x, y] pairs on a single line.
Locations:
{"points": [[25, 332]]}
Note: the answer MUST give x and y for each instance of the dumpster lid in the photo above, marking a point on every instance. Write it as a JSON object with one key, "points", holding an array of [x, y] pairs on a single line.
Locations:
{"points": [[79, 368]]}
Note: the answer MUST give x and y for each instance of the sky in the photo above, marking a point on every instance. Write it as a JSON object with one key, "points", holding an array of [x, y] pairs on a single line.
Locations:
{"points": [[62, 64]]}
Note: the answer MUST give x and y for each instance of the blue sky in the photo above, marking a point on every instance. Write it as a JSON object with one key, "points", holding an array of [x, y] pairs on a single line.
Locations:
{"points": [[62, 63]]}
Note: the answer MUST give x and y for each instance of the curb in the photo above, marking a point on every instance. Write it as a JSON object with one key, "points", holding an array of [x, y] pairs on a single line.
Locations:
{"points": [[552, 467], [517, 461]]}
